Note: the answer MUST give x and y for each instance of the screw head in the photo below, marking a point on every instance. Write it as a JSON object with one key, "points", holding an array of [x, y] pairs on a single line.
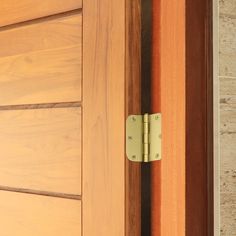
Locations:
{"points": [[130, 137], [157, 155], [134, 157], [133, 119], [156, 117]]}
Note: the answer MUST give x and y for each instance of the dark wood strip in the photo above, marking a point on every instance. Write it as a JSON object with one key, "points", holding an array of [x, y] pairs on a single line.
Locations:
{"points": [[41, 106], [146, 67], [42, 193], [199, 119], [133, 106]]}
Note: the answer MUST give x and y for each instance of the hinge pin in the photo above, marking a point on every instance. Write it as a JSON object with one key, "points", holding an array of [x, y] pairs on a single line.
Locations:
{"points": [[146, 137]]}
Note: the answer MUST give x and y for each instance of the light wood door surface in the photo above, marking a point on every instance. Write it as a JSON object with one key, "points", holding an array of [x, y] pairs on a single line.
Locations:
{"points": [[42, 149], [40, 62], [26, 214], [62, 119], [41, 118]]}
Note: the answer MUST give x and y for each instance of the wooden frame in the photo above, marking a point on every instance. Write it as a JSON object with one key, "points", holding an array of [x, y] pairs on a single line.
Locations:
{"points": [[182, 195], [184, 178], [169, 98], [199, 122], [103, 192], [111, 72]]}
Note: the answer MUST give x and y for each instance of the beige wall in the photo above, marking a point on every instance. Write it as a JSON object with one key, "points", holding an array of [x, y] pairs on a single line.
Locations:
{"points": [[227, 77]]}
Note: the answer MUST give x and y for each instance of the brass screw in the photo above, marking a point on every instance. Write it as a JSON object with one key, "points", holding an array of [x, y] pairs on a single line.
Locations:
{"points": [[134, 157], [156, 117], [133, 118], [130, 138], [157, 155]]}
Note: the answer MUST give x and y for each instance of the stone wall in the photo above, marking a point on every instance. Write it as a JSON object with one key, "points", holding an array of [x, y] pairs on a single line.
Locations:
{"points": [[227, 77]]}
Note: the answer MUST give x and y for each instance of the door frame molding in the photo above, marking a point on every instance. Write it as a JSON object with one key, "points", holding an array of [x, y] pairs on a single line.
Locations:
{"points": [[185, 26], [199, 122]]}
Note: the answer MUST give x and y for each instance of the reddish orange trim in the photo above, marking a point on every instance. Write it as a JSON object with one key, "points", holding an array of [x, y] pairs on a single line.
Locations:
{"points": [[168, 96], [156, 107]]}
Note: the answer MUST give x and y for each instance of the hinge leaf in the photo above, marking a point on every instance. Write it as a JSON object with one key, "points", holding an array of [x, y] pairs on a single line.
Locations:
{"points": [[134, 138], [155, 137]]}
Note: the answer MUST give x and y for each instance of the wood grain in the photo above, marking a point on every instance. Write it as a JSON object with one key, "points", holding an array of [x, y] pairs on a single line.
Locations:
{"points": [[14, 11], [199, 119], [48, 34], [41, 63], [133, 106], [103, 118], [168, 96], [27, 215], [156, 168], [41, 149], [183, 180], [50, 76]]}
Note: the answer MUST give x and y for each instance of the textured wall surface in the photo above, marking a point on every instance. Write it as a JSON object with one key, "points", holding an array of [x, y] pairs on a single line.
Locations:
{"points": [[227, 76]]}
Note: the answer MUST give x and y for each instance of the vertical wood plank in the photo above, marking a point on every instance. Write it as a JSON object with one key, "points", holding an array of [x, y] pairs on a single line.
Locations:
{"points": [[199, 119], [103, 118], [168, 194], [156, 107], [133, 106]]}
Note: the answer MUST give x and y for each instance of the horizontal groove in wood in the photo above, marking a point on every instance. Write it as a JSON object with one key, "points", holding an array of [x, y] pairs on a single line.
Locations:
{"points": [[43, 193], [35, 215], [41, 149], [40, 20], [15, 11], [41, 106], [41, 63]]}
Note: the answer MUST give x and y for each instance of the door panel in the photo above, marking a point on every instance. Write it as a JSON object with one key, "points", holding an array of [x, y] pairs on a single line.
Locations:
{"points": [[41, 149], [14, 11], [62, 131], [32, 215], [41, 63]]}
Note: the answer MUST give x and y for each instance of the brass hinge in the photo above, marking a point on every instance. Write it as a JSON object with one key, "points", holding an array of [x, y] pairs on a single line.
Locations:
{"points": [[143, 137]]}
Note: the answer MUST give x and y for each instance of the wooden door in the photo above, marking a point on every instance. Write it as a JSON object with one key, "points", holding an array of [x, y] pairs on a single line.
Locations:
{"points": [[63, 96]]}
